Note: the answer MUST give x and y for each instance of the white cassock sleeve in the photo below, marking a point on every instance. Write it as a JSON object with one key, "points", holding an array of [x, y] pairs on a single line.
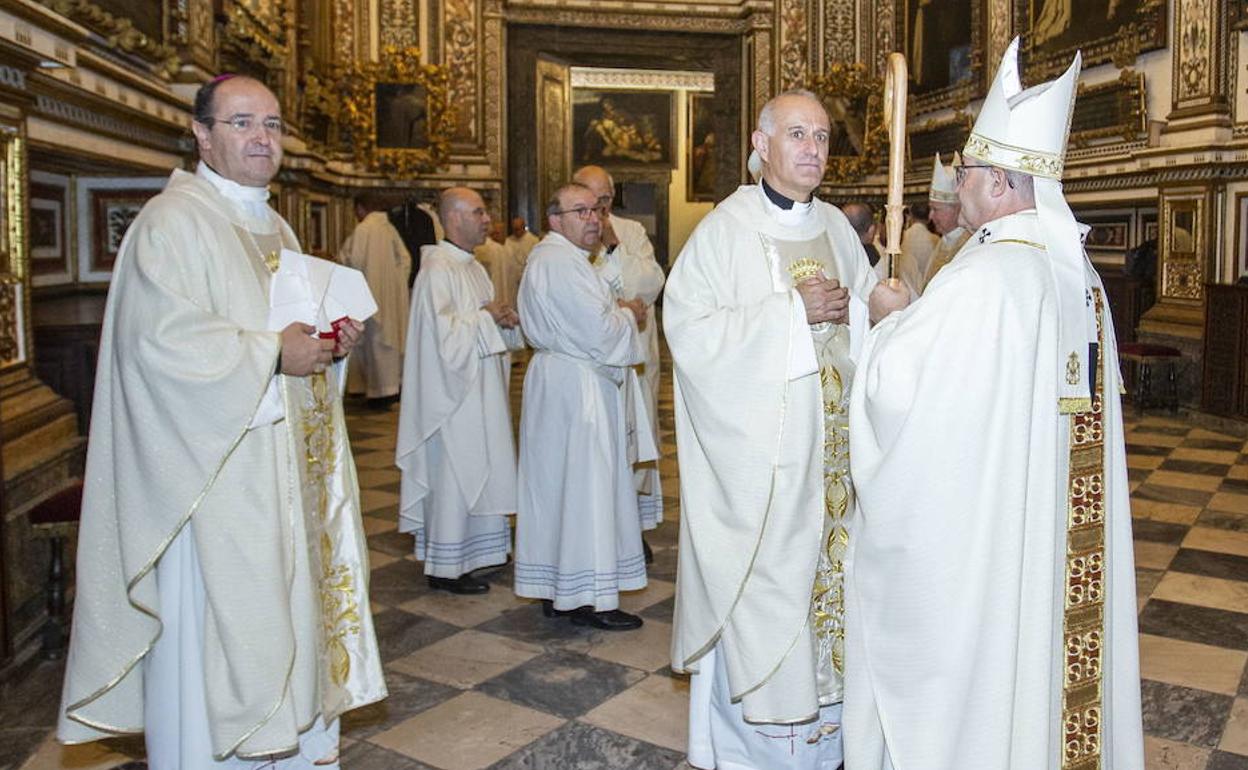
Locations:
{"points": [[640, 271]]}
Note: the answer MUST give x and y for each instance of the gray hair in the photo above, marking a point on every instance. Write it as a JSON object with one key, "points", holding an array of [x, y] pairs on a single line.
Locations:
{"points": [[1022, 183], [767, 116], [555, 204]]}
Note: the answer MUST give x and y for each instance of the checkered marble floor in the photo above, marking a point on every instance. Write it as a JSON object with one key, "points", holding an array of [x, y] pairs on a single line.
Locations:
{"points": [[486, 681]]}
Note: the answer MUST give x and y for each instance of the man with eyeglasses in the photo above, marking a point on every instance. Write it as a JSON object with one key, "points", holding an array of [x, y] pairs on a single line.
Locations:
{"points": [[222, 602], [763, 312], [578, 532], [945, 210], [991, 590], [625, 258]]}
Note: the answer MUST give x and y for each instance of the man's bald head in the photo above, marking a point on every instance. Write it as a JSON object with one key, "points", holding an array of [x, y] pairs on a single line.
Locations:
{"points": [[862, 218], [463, 217], [792, 140], [600, 183]]}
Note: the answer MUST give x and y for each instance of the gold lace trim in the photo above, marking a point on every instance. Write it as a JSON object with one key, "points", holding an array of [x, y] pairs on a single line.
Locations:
{"points": [[1083, 626]]}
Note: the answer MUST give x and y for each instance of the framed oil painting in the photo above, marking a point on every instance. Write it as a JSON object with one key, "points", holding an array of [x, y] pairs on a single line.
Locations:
{"points": [[399, 113], [1054, 29], [702, 159], [49, 229], [402, 116], [107, 206], [623, 128]]}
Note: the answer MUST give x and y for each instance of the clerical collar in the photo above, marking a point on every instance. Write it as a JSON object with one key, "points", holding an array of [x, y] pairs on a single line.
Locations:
{"points": [[231, 189], [781, 201], [785, 211], [458, 251]]}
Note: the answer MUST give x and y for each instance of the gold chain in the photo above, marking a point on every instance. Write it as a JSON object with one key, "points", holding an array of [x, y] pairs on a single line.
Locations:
{"points": [[273, 259]]}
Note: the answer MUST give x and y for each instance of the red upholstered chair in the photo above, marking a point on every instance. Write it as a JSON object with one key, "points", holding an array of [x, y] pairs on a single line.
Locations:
{"points": [[54, 519], [1143, 357]]}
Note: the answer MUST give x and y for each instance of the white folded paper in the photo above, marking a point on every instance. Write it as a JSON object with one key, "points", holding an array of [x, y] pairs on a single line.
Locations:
{"points": [[317, 292]]}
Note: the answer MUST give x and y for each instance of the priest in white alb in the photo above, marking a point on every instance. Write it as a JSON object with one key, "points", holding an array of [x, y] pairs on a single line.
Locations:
{"points": [[520, 241], [625, 258], [764, 310], [944, 215], [503, 270], [918, 242], [990, 588], [455, 447], [222, 583], [578, 533], [376, 249]]}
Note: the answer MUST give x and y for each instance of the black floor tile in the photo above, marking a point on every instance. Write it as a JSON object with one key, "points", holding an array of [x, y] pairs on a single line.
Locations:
{"points": [[1158, 531], [1195, 466], [1149, 450], [1233, 522], [567, 684], [1190, 623], [401, 633], [409, 696], [593, 748], [1224, 445], [1210, 564], [1183, 714], [1225, 760], [528, 624], [663, 610], [393, 542]]}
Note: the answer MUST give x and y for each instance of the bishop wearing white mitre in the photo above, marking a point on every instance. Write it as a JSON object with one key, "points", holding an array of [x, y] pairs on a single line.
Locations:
{"points": [[990, 587]]}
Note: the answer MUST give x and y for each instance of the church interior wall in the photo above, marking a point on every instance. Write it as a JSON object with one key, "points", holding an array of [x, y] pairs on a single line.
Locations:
{"points": [[89, 103]]}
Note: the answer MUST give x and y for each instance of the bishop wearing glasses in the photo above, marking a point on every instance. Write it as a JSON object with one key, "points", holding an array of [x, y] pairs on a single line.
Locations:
{"points": [[990, 589], [578, 531]]}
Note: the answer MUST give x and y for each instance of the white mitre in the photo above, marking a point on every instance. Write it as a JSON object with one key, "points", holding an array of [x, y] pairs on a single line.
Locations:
{"points": [[944, 188], [1026, 131], [755, 166]]}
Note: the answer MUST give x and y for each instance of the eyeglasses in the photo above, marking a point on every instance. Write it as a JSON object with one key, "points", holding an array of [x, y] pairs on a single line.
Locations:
{"points": [[959, 171], [582, 212], [243, 124]]}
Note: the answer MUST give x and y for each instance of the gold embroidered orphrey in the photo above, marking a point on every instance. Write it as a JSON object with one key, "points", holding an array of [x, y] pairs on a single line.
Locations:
{"points": [[1083, 627], [340, 614], [827, 601]]}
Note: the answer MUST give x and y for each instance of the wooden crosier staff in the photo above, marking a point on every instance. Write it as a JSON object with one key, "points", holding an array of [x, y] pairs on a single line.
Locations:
{"points": [[895, 119]]}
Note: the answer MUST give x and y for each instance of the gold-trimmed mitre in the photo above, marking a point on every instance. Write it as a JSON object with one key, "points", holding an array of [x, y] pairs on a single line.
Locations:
{"points": [[944, 188], [1025, 130]]}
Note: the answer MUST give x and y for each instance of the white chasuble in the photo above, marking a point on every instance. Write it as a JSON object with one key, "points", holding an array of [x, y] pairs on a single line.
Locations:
{"points": [[186, 364], [455, 447], [578, 533], [760, 402], [376, 249], [990, 588], [633, 273], [946, 249]]}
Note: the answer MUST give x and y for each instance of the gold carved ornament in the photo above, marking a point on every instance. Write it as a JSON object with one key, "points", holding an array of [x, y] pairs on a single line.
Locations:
{"points": [[859, 95], [119, 32], [400, 66]]}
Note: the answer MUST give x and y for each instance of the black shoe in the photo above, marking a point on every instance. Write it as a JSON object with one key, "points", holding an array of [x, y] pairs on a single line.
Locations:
{"points": [[648, 551], [548, 609], [607, 620], [464, 584]]}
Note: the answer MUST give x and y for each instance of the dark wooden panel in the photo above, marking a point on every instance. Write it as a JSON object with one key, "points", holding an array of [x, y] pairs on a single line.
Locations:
{"points": [[1224, 389], [1124, 293], [67, 336]]}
